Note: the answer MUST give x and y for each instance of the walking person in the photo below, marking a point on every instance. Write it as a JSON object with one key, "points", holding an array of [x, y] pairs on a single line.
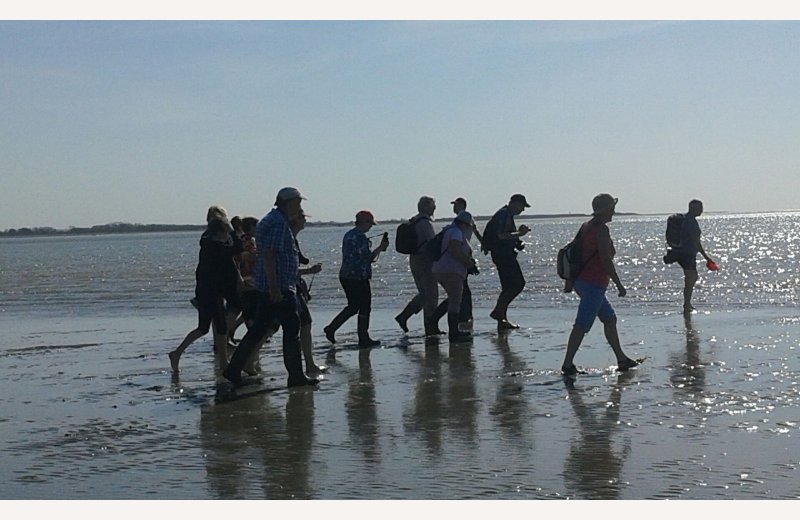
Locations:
{"points": [[303, 297], [597, 253], [355, 275], [465, 312], [452, 268], [216, 279], [421, 264], [276, 281], [501, 238], [685, 254]]}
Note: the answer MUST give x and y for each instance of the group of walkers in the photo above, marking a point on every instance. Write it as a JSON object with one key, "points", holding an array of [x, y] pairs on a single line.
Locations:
{"points": [[250, 272]]}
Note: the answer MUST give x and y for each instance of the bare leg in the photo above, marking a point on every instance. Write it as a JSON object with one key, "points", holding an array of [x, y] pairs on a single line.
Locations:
{"points": [[690, 278], [253, 365], [307, 344], [575, 338], [175, 355], [220, 355]]}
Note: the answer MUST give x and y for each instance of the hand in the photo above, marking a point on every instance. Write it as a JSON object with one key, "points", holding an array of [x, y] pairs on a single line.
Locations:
{"points": [[384, 244], [622, 291], [523, 230], [314, 269]]}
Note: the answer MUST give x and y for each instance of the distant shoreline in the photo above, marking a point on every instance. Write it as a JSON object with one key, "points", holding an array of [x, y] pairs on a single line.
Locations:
{"points": [[120, 228]]}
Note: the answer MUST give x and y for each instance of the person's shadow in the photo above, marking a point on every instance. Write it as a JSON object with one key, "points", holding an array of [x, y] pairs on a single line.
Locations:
{"points": [[593, 466]]}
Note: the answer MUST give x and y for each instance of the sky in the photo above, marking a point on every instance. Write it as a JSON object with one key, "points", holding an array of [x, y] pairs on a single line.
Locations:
{"points": [[153, 121]]}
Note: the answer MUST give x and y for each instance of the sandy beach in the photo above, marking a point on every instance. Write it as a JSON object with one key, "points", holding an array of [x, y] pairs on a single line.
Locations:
{"points": [[92, 411]]}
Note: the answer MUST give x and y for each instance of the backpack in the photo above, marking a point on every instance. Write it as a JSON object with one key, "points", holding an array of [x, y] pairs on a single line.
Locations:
{"points": [[405, 240], [674, 226], [433, 247], [569, 262], [490, 238]]}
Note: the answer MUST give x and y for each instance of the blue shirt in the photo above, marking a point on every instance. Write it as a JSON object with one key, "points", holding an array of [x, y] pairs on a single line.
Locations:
{"points": [[356, 256], [273, 232]]}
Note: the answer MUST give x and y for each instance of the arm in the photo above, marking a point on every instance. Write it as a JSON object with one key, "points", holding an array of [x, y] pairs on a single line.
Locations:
{"points": [[271, 270], [381, 247], [605, 251], [455, 248], [314, 269], [699, 246]]}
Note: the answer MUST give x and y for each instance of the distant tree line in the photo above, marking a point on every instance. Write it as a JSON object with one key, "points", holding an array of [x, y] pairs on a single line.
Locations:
{"points": [[124, 227], [102, 229]]}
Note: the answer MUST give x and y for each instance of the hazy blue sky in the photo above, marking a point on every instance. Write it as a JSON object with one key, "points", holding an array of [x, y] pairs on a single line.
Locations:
{"points": [[152, 122]]}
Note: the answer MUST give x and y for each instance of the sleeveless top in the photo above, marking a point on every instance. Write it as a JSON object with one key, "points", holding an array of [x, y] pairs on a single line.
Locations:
{"points": [[593, 271]]}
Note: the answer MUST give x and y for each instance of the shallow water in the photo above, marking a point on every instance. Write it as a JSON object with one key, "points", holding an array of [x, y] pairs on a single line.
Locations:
{"points": [[90, 409]]}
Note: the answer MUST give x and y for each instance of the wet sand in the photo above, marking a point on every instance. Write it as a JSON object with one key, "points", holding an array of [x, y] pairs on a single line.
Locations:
{"points": [[91, 411]]}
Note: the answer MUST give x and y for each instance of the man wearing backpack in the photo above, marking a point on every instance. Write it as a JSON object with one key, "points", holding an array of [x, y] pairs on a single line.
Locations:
{"points": [[597, 251], [421, 269], [685, 254], [502, 239]]}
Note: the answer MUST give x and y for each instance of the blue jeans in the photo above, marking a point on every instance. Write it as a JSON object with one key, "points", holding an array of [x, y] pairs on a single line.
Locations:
{"points": [[594, 304]]}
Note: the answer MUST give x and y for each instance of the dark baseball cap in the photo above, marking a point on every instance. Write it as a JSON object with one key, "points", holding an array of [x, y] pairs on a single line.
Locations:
{"points": [[520, 198]]}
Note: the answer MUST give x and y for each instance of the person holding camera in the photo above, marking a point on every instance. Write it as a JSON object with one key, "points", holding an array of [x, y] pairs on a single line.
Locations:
{"points": [[355, 275], [502, 238], [451, 269]]}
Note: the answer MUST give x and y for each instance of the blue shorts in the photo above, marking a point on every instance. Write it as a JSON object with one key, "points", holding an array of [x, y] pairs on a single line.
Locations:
{"points": [[594, 304]]}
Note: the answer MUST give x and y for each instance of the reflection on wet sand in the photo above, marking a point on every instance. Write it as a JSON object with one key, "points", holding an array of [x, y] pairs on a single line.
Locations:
{"points": [[688, 375], [511, 406], [462, 398], [362, 411], [254, 451], [593, 467], [426, 418]]}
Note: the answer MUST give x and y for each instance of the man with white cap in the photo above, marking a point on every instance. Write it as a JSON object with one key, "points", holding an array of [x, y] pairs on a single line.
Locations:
{"points": [[276, 278]]}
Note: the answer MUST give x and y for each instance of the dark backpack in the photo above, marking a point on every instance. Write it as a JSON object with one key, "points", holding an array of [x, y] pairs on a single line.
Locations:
{"points": [[569, 262], [433, 247], [490, 239], [405, 240], [674, 226]]}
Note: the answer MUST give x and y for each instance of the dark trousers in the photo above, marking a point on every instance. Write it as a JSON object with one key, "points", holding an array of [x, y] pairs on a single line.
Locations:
{"points": [[359, 296], [286, 314], [511, 280]]}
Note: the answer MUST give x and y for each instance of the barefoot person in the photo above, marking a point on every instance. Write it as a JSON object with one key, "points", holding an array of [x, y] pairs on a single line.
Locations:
{"points": [[303, 296], [355, 275], [215, 288], [502, 239], [598, 269], [685, 254]]}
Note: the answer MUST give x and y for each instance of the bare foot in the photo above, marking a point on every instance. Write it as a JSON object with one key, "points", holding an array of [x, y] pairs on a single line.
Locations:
{"points": [[174, 358], [316, 369]]}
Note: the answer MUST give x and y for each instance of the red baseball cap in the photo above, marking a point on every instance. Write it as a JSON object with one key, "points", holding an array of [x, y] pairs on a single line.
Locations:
{"points": [[366, 216]]}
